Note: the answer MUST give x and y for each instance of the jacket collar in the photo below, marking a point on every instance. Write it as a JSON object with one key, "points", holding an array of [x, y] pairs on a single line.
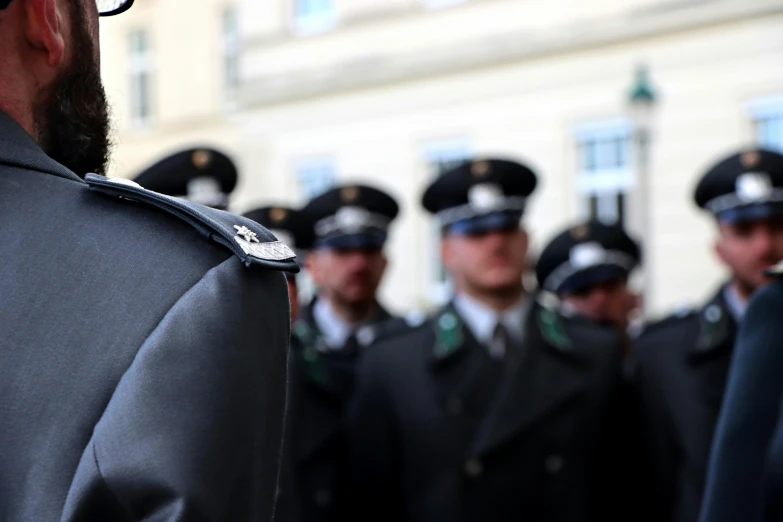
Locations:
{"points": [[717, 328], [312, 345], [18, 149]]}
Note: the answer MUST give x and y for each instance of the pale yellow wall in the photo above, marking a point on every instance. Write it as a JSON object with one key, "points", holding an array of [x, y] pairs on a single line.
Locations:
{"points": [[528, 110], [189, 106]]}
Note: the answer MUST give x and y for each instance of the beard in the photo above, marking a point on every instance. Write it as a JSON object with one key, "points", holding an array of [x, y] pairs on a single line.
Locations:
{"points": [[72, 123]]}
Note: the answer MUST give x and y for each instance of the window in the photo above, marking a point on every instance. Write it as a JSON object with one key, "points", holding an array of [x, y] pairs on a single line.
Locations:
{"points": [[604, 170], [141, 77], [767, 117], [441, 156], [315, 176], [230, 50], [314, 16]]}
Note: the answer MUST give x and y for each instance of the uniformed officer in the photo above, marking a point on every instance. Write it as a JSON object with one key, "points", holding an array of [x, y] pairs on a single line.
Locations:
{"points": [[202, 175], [350, 224], [745, 480], [496, 408], [143, 337], [684, 359], [587, 266], [289, 226]]}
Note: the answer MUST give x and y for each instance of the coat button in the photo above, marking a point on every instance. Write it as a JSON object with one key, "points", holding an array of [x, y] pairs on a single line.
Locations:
{"points": [[474, 468], [323, 497], [554, 464]]}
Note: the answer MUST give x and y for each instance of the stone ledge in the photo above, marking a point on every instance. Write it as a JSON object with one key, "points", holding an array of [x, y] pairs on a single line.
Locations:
{"points": [[372, 71]]}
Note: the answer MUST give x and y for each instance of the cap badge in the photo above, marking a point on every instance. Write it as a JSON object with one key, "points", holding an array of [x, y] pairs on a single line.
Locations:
{"points": [[201, 159], [348, 194], [753, 186], [277, 214], [204, 190], [586, 255], [580, 232], [479, 169], [246, 234], [750, 159], [485, 196], [351, 218]]}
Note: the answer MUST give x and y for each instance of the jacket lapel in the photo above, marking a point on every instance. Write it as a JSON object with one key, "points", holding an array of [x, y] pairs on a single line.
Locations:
{"points": [[465, 376], [546, 374], [320, 404], [711, 356]]}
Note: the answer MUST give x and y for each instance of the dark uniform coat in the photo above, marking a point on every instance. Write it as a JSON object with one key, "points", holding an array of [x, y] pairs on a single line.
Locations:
{"points": [[321, 384], [682, 366], [745, 481], [441, 432], [143, 365]]}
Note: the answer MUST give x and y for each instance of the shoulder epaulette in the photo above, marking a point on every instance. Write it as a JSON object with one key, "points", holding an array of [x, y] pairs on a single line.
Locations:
{"points": [[248, 240]]}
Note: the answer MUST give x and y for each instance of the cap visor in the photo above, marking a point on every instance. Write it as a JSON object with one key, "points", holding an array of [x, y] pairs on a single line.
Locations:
{"points": [[592, 276], [755, 212], [486, 223], [353, 241]]}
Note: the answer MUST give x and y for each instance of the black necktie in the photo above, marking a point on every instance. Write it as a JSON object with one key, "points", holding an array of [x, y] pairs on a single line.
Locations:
{"points": [[501, 345]]}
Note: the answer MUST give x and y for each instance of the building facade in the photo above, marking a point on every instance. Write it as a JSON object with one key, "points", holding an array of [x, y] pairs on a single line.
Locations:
{"points": [[389, 92]]}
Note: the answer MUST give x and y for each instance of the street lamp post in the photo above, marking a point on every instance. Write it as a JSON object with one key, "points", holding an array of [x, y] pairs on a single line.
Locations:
{"points": [[641, 100]]}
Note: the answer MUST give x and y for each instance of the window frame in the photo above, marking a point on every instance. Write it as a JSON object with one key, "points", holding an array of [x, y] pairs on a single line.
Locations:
{"points": [[141, 67], [310, 24], [603, 186], [314, 163], [230, 42], [767, 109]]}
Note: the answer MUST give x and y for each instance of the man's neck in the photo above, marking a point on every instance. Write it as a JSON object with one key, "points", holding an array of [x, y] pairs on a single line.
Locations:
{"points": [[352, 313], [736, 299], [498, 301], [21, 117]]}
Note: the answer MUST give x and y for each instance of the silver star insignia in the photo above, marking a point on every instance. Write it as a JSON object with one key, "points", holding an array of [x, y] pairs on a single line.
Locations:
{"points": [[246, 234]]}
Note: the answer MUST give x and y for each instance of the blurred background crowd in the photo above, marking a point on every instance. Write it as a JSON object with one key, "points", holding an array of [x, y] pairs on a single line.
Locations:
{"points": [[618, 105]]}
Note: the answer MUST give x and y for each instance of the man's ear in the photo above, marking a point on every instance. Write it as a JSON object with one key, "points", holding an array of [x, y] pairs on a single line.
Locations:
{"points": [[446, 249], [44, 29], [311, 265], [719, 248]]}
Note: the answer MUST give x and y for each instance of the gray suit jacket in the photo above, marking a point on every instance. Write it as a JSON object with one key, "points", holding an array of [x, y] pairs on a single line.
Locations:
{"points": [[142, 365]]}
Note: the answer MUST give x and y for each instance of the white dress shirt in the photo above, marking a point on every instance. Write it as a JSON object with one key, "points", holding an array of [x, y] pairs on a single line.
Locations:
{"points": [[334, 329], [736, 303], [482, 320]]}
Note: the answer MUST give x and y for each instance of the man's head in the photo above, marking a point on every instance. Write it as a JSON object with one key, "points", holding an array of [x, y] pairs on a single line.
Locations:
{"points": [[587, 266], [745, 194], [290, 227], [480, 206], [349, 227], [50, 78]]}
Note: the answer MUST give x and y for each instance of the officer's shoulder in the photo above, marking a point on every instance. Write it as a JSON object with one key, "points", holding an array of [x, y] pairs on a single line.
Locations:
{"points": [[396, 327], [571, 333], [681, 317], [246, 239], [399, 331], [664, 338]]}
